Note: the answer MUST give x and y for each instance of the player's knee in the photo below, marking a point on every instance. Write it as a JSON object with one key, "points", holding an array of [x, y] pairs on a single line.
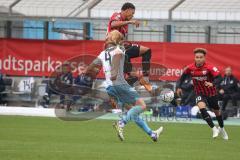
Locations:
{"points": [[143, 49], [201, 105], [143, 106], [141, 103]]}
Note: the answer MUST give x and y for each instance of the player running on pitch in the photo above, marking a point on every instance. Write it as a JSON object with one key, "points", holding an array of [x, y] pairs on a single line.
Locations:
{"points": [[205, 79], [112, 60], [119, 21]]}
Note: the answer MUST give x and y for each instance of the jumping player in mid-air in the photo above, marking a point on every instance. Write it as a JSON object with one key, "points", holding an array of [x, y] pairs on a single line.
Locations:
{"points": [[120, 21], [112, 61], [205, 79]]}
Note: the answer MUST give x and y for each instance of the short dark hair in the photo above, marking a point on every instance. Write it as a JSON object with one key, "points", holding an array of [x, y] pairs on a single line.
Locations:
{"points": [[200, 50], [127, 5]]}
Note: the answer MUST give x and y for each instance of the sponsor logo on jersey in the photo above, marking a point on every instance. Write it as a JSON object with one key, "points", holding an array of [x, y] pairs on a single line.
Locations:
{"points": [[215, 69], [204, 72], [204, 78]]}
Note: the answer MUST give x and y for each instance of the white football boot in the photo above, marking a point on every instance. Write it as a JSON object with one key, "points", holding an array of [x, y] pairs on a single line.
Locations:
{"points": [[223, 133], [155, 134], [215, 132], [119, 128]]}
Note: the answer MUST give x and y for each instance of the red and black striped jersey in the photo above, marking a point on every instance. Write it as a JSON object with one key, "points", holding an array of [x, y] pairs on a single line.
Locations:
{"points": [[117, 17], [200, 75]]}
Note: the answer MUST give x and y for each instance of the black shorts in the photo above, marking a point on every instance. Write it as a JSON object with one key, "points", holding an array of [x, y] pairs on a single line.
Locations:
{"points": [[131, 52], [211, 102]]}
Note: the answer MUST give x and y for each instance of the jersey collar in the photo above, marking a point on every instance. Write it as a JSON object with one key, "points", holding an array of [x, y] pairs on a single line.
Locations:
{"points": [[200, 66]]}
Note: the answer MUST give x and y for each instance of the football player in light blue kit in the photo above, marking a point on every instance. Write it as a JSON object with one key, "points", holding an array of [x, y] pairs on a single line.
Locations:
{"points": [[112, 61]]}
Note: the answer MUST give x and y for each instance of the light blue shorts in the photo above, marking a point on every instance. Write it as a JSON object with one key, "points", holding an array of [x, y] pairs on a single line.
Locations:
{"points": [[123, 94]]}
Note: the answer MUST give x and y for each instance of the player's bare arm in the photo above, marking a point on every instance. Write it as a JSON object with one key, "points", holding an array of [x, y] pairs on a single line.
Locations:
{"points": [[117, 24], [94, 68]]}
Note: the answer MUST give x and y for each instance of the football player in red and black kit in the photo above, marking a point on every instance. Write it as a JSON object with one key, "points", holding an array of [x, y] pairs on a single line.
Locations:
{"points": [[205, 79], [120, 21]]}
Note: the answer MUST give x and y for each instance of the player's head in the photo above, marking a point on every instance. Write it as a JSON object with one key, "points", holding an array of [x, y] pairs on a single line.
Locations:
{"points": [[200, 56], [128, 10], [114, 38], [228, 71]]}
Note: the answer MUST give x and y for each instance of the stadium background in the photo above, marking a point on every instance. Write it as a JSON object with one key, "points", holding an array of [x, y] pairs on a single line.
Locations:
{"points": [[178, 21], [35, 31], [56, 30]]}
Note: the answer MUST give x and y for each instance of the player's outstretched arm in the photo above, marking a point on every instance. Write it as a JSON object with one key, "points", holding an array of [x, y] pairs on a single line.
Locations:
{"points": [[117, 24], [94, 68]]}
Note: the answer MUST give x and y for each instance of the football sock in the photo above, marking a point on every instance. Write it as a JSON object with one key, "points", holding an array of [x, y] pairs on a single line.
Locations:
{"points": [[132, 114], [220, 121], [143, 125], [146, 57], [207, 117]]}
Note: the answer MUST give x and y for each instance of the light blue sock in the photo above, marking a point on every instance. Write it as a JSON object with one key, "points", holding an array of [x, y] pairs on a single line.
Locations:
{"points": [[133, 115], [142, 124]]}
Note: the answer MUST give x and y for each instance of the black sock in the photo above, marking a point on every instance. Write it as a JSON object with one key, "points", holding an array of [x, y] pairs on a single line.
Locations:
{"points": [[220, 121], [207, 117], [146, 58]]}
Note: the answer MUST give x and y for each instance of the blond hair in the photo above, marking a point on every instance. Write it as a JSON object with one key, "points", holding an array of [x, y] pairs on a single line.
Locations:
{"points": [[114, 37]]}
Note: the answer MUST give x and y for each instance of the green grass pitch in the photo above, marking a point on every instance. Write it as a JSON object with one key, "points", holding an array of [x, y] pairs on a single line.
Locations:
{"points": [[32, 138]]}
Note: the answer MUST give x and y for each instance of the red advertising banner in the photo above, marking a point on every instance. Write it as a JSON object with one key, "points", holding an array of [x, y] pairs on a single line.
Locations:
{"points": [[41, 57]]}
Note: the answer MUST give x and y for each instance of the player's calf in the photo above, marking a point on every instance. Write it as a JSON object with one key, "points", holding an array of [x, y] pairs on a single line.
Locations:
{"points": [[207, 117], [209, 121]]}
